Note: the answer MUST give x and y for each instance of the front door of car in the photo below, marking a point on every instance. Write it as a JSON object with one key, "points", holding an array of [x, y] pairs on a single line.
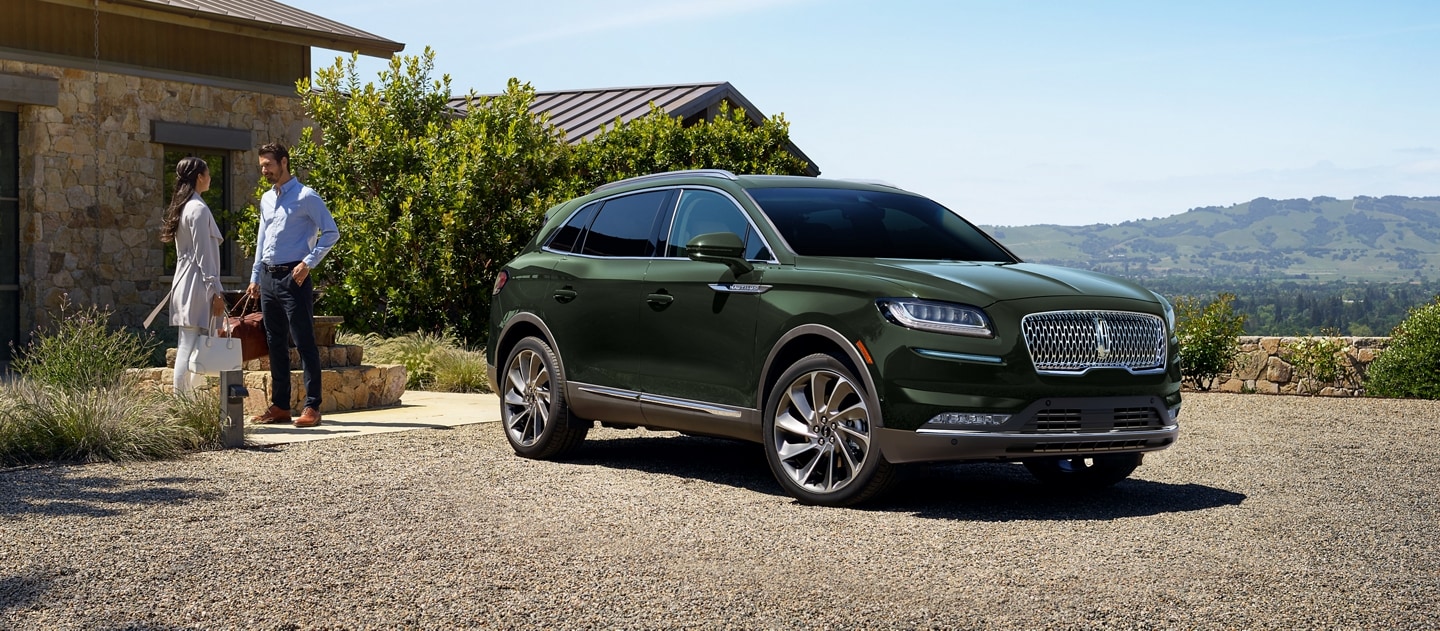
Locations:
{"points": [[698, 319], [597, 292]]}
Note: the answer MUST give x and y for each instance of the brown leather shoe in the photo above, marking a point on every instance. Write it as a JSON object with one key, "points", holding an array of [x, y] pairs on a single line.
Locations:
{"points": [[309, 418], [273, 415]]}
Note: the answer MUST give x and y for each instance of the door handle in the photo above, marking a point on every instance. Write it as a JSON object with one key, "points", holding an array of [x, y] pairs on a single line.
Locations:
{"points": [[659, 300], [565, 295]]}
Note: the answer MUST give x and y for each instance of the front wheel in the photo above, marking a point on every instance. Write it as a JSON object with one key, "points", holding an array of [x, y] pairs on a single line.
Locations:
{"points": [[818, 433], [532, 407], [1084, 472]]}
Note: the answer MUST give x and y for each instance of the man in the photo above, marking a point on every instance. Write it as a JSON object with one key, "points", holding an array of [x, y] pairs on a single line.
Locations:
{"points": [[296, 231]]}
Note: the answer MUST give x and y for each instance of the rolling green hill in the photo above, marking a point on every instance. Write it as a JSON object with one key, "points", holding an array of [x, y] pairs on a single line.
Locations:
{"points": [[1385, 239]]}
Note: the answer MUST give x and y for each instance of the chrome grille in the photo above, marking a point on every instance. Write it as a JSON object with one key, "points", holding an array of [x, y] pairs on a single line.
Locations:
{"points": [[1073, 342]]}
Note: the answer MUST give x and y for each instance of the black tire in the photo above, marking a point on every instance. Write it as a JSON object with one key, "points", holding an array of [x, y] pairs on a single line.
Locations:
{"points": [[824, 454], [533, 409], [1083, 473]]}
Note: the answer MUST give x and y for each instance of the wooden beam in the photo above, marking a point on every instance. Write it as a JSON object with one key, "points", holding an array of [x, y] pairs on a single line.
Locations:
{"points": [[29, 90]]}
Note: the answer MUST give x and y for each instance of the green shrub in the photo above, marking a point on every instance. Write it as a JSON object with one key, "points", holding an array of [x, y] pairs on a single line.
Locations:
{"points": [[199, 413], [459, 370], [47, 423], [414, 350], [82, 351], [1318, 361], [432, 362], [1410, 366], [1209, 338]]}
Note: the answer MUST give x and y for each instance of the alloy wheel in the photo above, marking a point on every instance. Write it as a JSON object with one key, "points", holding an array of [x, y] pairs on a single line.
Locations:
{"points": [[527, 397], [822, 431]]}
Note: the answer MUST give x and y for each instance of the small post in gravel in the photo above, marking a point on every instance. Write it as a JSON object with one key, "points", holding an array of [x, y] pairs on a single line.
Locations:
{"points": [[232, 408]]}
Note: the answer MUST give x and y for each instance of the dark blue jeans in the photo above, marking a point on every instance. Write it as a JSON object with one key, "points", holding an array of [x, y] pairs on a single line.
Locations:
{"points": [[290, 314]]}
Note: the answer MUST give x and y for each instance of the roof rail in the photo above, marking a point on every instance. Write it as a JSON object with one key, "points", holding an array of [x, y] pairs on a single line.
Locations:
{"points": [[717, 173], [872, 182]]}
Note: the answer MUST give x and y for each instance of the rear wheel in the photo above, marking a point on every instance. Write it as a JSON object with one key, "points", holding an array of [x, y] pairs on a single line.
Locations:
{"points": [[1084, 472], [818, 434], [532, 406]]}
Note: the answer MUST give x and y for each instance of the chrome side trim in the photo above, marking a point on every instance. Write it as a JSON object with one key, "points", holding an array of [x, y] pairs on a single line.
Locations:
{"points": [[614, 393], [740, 288], [964, 357], [692, 406], [680, 404]]}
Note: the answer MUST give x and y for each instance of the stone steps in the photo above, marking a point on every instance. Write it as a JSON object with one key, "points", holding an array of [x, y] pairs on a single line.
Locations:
{"points": [[346, 383]]}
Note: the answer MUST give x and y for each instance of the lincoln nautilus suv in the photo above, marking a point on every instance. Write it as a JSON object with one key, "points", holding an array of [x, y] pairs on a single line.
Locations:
{"points": [[847, 327]]}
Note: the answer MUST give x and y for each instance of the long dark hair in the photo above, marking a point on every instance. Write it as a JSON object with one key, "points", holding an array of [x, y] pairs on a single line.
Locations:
{"points": [[187, 171]]}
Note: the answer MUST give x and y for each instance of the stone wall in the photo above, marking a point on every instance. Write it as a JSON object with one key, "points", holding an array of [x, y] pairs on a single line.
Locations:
{"points": [[346, 382], [1263, 367], [92, 178]]}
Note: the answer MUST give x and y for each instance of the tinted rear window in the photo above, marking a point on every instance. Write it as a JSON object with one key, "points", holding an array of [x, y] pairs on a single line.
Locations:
{"points": [[846, 222], [625, 226], [569, 234]]}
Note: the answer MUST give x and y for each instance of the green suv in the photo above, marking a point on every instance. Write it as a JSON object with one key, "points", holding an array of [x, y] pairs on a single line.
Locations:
{"points": [[847, 327]]}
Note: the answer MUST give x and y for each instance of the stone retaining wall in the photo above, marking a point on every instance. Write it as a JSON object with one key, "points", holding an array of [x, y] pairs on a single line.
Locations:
{"points": [[345, 383], [1262, 367]]}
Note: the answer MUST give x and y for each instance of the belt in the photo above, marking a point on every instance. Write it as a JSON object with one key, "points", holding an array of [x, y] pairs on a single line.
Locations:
{"points": [[276, 269]]}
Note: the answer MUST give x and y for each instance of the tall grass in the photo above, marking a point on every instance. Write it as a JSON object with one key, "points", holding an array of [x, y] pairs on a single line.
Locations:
{"points": [[432, 361], [75, 402], [81, 351], [40, 423]]}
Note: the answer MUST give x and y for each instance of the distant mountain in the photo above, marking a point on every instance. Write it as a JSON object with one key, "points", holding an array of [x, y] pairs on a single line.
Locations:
{"points": [[1390, 239]]}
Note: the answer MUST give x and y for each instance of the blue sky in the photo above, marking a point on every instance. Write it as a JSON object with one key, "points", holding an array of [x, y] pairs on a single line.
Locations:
{"points": [[1010, 112]]}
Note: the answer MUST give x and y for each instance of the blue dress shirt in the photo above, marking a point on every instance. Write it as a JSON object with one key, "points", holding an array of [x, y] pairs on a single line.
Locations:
{"points": [[295, 225]]}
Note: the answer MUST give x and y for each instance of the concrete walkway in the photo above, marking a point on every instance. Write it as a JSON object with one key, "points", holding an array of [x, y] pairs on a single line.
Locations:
{"points": [[417, 410]]}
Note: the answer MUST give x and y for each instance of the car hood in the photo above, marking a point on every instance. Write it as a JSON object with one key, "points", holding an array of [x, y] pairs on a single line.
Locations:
{"points": [[981, 284]]}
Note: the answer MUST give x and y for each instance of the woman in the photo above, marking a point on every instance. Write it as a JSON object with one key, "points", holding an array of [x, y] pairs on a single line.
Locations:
{"points": [[195, 293]]}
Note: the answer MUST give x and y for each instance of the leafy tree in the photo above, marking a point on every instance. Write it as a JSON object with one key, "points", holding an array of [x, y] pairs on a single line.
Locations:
{"points": [[429, 204], [1410, 367], [1208, 338], [659, 142]]}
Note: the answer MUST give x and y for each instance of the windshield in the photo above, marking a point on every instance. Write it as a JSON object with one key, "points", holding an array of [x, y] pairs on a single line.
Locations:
{"points": [[847, 222]]}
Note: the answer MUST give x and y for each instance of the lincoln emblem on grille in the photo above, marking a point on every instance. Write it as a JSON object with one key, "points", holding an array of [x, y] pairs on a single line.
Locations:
{"points": [[1102, 338]]}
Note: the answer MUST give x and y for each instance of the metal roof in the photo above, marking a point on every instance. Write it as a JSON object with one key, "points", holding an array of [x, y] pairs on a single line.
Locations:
{"points": [[583, 113], [265, 19]]}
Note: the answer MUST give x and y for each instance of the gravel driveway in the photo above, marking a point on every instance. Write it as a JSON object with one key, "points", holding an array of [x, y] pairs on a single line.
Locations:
{"points": [[1271, 512]]}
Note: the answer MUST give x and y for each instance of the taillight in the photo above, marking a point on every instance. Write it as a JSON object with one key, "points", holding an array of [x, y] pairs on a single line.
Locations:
{"points": [[500, 282]]}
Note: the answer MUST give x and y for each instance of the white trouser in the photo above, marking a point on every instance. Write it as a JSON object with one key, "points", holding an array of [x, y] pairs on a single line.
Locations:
{"points": [[185, 379]]}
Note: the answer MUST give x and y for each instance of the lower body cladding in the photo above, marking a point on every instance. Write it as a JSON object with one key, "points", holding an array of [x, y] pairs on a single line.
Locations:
{"points": [[1046, 428]]}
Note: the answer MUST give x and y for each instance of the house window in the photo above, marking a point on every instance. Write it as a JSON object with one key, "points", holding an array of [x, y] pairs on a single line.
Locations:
{"points": [[9, 229], [217, 198]]}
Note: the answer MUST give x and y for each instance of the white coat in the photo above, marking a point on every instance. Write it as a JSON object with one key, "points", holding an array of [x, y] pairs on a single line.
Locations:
{"points": [[197, 265]]}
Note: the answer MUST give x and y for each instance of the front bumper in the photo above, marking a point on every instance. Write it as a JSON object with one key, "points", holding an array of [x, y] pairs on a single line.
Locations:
{"points": [[1049, 427]]}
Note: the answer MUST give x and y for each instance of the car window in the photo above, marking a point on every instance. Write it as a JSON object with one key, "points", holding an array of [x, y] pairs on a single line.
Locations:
{"points": [[701, 212], [569, 234], [624, 226], [876, 224]]}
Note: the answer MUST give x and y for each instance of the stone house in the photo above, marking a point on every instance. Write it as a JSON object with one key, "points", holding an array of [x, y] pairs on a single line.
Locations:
{"points": [[99, 99]]}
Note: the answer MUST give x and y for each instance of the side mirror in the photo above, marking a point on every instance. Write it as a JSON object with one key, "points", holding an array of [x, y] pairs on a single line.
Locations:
{"points": [[725, 248]]}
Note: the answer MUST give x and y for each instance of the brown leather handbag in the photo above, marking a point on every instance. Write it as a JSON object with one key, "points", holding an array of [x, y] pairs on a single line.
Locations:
{"points": [[249, 327]]}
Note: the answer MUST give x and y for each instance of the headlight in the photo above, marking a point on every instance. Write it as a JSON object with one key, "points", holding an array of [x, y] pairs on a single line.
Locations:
{"points": [[941, 317]]}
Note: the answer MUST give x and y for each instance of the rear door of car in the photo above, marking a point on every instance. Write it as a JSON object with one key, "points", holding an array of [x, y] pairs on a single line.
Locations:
{"points": [[597, 292]]}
